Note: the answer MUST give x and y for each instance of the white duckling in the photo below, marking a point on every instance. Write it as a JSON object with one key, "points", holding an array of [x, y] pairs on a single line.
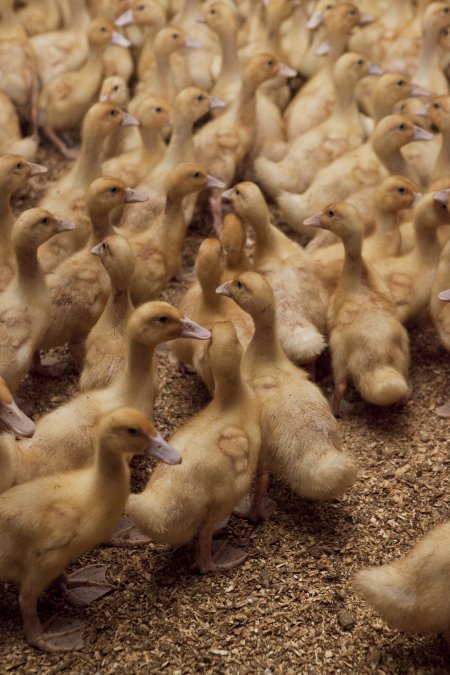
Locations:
{"points": [[413, 592], [367, 341], [307, 456], [47, 523], [220, 448]]}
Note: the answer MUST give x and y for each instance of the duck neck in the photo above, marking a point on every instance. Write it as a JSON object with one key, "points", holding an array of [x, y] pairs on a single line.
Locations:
{"points": [[164, 74], [259, 221], [246, 105], [345, 105], [6, 217], [29, 273], [229, 387], [135, 380], [89, 164], [119, 302], [391, 158], [442, 167], [429, 59], [100, 226], [230, 70], [181, 146], [387, 233], [353, 261], [265, 345], [111, 479], [170, 229], [427, 245], [152, 142], [190, 12]]}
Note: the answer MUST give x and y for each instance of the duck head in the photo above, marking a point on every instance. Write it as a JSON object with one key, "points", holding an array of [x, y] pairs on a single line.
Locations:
{"points": [[11, 415], [155, 322], [36, 226], [251, 292], [117, 258], [154, 113], [189, 177], [15, 170], [396, 193]]}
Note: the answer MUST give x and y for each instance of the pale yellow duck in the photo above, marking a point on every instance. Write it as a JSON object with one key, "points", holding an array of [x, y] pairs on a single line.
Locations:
{"points": [[413, 592], [69, 191], [190, 105], [15, 171], [64, 437], [13, 419], [37, 16], [25, 301], [295, 38], [205, 306], [307, 456], [224, 142], [358, 170], [65, 100], [142, 20], [314, 101], [79, 287], [158, 249], [117, 58], [114, 89], [440, 309], [375, 39], [105, 347], [403, 54], [49, 522], [428, 72], [410, 277], [341, 132], [391, 197], [389, 89], [11, 139], [233, 240], [367, 341], [438, 111], [300, 298], [309, 60], [219, 449], [154, 114]]}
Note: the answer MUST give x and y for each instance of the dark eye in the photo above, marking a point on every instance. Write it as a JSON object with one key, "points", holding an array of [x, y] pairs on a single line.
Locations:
{"points": [[113, 189], [116, 87], [436, 106], [113, 113], [401, 83], [446, 10], [19, 165], [237, 192], [103, 29], [401, 190], [200, 97], [174, 36], [158, 109], [196, 174], [163, 319], [352, 12], [132, 431], [141, 7], [270, 62], [401, 126], [329, 7], [360, 62], [330, 213], [239, 284], [44, 221], [213, 11]]}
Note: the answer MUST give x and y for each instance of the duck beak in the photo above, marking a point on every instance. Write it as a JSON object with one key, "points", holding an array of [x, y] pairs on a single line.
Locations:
{"points": [[64, 225], [441, 196], [201, 20], [190, 329], [373, 69], [125, 19], [314, 21], [417, 197], [323, 49], [16, 420], [162, 450], [132, 196], [224, 289], [169, 122], [214, 183], [216, 103], [423, 110], [104, 98], [190, 43], [365, 18], [444, 295], [96, 249], [129, 121], [36, 169], [226, 196], [419, 91], [286, 71], [421, 134], [119, 40], [313, 221]]}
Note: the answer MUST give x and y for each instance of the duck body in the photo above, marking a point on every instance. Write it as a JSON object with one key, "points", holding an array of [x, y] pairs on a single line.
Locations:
{"points": [[440, 311]]}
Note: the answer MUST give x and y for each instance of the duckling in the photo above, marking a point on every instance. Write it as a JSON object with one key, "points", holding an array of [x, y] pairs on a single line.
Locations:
{"points": [[49, 522], [65, 100], [224, 142], [438, 111], [153, 114], [440, 309], [367, 341], [11, 140], [38, 17], [105, 346], [233, 239], [79, 287], [16, 421], [301, 301], [410, 276], [413, 593], [69, 191], [403, 54], [374, 39], [206, 307], [341, 132], [362, 168], [390, 89], [142, 21], [64, 437], [190, 105], [15, 171], [25, 301], [158, 249], [220, 448], [306, 456], [429, 72], [114, 89]]}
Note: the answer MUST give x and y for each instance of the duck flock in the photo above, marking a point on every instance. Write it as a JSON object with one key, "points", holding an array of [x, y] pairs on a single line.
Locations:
{"points": [[338, 114]]}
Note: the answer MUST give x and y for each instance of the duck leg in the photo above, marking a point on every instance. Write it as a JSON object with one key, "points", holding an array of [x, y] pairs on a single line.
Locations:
{"points": [[70, 153], [339, 406], [257, 507], [85, 585], [127, 534], [58, 636], [223, 558], [443, 411], [48, 366]]}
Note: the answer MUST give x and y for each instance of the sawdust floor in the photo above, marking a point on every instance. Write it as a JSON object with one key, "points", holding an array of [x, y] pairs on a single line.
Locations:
{"points": [[290, 607]]}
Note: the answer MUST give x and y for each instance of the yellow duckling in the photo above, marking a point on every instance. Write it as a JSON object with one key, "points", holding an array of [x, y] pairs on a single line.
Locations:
{"points": [[438, 111], [79, 287], [49, 522], [374, 39], [389, 90], [114, 89], [341, 132], [220, 448], [154, 114], [158, 250], [105, 346], [440, 309], [39, 17], [300, 298], [356, 171], [64, 437], [25, 302], [410, 276], [11, 140], [142, 21], [307, 456], [15, 420], [429, 71], [69, 191], [15, 171], [367, 341], [233, 239], [207, 308], [413, 593], [65, 100]]}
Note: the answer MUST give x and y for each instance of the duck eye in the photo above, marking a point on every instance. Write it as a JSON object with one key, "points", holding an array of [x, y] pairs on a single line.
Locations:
{"points": [[401, 83], [401, 126], [213, 11], [239, 284], [44, 221], [196, 174], [19, 165], [158, 109], [141, 8], [163, 319], [113, 113], [200, 97], [237, 192], [113, 189], [116, 87], [103, 29], [352, 12], [360, 62], [174, 36], [330, 213], [132, 431], [401, 190], [436, 106], [270, 62]]}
